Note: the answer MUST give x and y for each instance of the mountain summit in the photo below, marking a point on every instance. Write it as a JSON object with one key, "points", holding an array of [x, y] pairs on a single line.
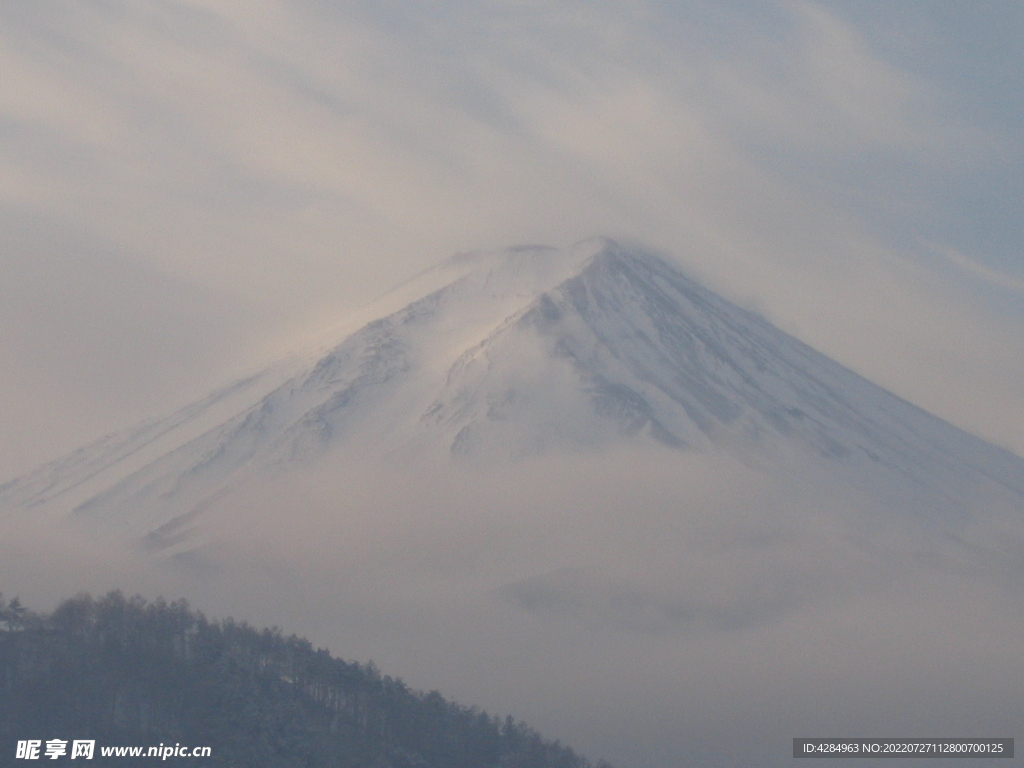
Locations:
{"points": [[495, 356]]}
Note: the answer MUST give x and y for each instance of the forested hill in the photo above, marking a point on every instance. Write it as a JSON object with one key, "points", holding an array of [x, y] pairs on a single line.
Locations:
{"points": [[129, 672]]}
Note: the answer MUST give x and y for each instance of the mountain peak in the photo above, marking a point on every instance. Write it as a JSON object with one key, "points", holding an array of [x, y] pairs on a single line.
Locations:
{"points": [[545, 264], [503, 354]]}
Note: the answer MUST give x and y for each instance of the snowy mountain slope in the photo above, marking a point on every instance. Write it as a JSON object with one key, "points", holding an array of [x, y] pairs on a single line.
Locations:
{"points": [[86, 470], [500, 355]]}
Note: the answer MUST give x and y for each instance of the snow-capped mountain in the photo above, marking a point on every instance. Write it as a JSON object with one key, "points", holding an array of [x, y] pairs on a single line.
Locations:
{"points": [[500, 355]]}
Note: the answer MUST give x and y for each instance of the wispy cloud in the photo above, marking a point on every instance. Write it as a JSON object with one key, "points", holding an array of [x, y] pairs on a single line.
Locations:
{"points": [[185, 186], [307, 155], [980, 271]]}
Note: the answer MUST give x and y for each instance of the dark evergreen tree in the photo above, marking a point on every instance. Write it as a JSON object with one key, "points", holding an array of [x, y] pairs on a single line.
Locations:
{"points": [[129, 672]]}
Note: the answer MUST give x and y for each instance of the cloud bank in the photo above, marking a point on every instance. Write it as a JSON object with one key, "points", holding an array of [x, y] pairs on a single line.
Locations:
{"points": [[189, 187], [645, 606]]}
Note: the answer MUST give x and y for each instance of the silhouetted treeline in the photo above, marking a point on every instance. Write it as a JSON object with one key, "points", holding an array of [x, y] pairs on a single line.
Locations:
{"points": [[130, 672]]}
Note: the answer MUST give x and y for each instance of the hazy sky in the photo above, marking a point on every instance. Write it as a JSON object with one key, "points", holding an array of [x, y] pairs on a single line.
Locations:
{"points": [[189, 188]]}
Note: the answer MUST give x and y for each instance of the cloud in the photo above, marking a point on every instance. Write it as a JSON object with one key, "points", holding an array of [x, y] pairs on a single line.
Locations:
{"points": [[261, 125], [980, 271], [186, 185], [639, 605]]}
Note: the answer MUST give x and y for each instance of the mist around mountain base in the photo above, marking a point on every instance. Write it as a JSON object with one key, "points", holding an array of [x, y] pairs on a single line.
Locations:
{"points": [[647, 606], [579, 488]]}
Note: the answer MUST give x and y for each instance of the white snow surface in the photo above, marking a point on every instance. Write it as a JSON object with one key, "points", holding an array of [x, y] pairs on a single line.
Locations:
{"points": [[495, 356]]}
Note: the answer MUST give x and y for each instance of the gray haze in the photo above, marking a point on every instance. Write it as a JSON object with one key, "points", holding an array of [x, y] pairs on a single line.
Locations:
{"points": [[190, 188], [650, 608]]}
